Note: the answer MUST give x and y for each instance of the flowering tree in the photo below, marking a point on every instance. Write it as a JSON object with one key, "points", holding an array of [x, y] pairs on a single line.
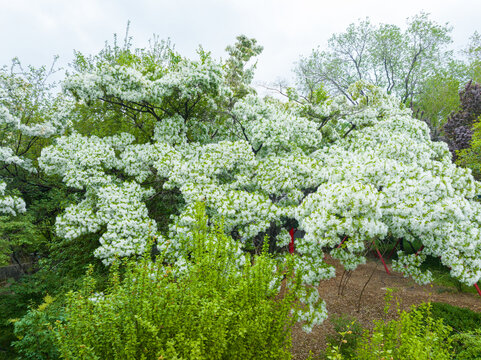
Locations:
{"points": [[29, 113], [365, 172], [30, 116]]}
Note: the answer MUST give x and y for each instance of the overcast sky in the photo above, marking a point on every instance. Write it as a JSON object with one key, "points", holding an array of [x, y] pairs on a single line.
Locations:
{"points": [[36, 30]]}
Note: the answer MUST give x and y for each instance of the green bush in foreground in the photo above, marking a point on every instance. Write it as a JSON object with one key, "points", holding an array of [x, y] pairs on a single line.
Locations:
{"points": [[467, 346], [460, 319], [416, 335], [213, 309], [36, 340]]}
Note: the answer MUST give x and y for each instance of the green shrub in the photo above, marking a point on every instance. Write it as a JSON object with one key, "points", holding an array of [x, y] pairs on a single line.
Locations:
{"points": [[460, 319], [415, 335], [214, 310], [466, 325], [36, 340], [467, 346]]}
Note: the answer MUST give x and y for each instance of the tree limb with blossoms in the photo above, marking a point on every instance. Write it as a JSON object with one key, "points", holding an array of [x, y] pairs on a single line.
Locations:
{"points": [[29, 115]]}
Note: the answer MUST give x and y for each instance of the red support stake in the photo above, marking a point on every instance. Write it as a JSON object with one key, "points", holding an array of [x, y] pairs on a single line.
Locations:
{"points": [[420, 249], [291, 244], [477, 288], [342, 242], [382, 260], [385, 266]]}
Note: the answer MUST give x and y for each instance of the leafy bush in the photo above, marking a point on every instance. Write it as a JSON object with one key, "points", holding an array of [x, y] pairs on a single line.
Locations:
{"points": [[212, 308], [460, 319], [36, 340], [467, 346], [416, 335], [466, 325]]}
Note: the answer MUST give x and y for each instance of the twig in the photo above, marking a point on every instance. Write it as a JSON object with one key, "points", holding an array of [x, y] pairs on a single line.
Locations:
{"points": [[364, 287]]}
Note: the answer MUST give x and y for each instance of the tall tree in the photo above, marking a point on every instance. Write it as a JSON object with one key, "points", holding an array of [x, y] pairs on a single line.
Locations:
{"points": [[459, 127], [30, 116], [397, 61], [261, 167]]}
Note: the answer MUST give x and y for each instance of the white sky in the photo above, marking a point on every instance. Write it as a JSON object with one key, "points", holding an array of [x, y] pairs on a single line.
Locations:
{"points": [[36, 30]]}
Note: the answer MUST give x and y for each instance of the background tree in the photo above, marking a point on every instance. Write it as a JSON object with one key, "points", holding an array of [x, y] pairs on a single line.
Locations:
{"points": [[30, 116], [473, 55], [439, 97], [384, 55], [459, 127]]}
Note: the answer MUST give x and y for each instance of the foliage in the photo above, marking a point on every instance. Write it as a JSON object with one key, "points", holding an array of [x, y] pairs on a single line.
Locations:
{"points": [[473, 54], [396, 61], [458, 128], [460, 319], [415, 335], [344, 342], [466, 329], [467, 346], [239, 76], [431, 331], [34, 331], [15, 301], [438, 97], [60, 272], [209, 309]]}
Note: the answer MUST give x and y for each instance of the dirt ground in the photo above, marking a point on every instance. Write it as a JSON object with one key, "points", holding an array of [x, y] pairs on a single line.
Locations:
{"points": [[371, 304]]}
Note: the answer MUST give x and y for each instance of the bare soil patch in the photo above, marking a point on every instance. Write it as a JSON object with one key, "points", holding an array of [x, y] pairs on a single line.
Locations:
{"points": [[371, 306]]}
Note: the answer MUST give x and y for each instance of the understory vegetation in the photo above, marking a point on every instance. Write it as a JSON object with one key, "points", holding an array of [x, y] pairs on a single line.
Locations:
{"points": [[428, 331]]}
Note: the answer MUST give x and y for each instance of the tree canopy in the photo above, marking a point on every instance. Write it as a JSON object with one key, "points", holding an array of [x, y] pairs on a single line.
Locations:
{"points": [[384, 55], [367, 171]]}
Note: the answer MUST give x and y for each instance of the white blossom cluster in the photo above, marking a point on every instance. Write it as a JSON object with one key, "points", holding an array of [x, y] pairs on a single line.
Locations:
{"points": [[409, 266], [114, 207], [187, 79], [389, 180], [314, 311], [10, 205], [11, 126]]}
